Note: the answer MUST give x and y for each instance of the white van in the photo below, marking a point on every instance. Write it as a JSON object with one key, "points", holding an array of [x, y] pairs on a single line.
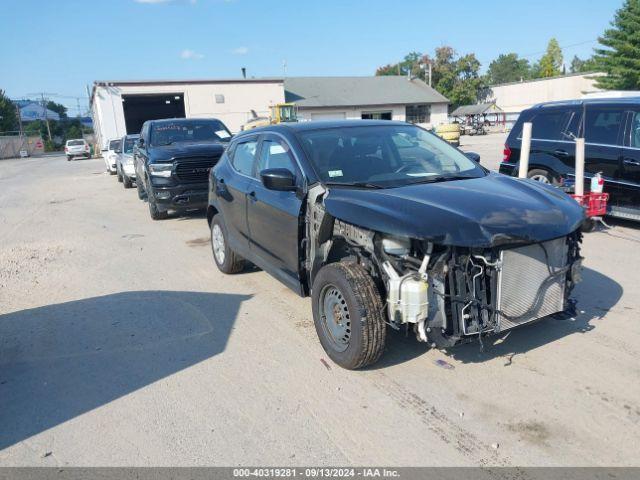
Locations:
{"points": [[110, 155]]}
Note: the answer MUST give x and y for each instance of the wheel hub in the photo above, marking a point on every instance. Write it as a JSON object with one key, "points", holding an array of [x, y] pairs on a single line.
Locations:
{"points": [[336, 320], [217, 241]]}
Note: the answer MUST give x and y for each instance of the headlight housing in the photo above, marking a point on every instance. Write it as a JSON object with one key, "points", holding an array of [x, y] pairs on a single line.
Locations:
{"points": [[161, 169], [396, 245]]}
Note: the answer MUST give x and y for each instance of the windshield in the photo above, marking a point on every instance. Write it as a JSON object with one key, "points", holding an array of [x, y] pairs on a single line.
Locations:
{"points": [[114, 144], [287, 113], [167, 133], [385, 156], [75, 143], [129, 143]]}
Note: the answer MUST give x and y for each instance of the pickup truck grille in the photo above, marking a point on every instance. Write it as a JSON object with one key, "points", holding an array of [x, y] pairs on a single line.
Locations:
{"points": [[194, 170]]}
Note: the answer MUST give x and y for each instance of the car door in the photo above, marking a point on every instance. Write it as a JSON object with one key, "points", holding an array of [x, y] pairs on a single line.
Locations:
{"points": [[232, 182], [629, 177], [140, 157], [603, 128], [274, 216]]}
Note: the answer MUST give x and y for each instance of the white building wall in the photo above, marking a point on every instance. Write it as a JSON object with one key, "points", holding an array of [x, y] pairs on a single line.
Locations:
{"points": [[515, 97], [439, 112], [199, 101]]}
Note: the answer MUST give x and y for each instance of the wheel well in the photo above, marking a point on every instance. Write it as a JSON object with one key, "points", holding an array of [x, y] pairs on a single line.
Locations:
{"points": [[211, 212]]}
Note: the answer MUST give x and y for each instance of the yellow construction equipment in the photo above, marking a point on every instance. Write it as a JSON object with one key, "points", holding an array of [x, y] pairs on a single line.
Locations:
{"points": [[280, 113]]}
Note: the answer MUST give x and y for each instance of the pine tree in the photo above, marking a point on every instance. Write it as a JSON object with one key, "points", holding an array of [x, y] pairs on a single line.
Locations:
{"points": [[620, 57], [550, 64]]}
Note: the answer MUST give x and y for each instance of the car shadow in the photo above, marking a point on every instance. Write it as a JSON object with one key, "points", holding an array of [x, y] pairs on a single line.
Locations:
{"points": [[60, 361], [596, 295]]}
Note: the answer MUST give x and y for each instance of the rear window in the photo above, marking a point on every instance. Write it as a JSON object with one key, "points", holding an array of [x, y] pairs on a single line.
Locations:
{"points": [[549, 125], [114, 144], [75, 143]]}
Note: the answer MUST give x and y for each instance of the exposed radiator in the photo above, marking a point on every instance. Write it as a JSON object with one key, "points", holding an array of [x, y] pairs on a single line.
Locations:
{"points": [[523, 272]]}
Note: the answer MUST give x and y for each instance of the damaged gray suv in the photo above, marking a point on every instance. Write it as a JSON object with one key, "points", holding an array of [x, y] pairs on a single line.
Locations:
{"points": [[385, 225]]}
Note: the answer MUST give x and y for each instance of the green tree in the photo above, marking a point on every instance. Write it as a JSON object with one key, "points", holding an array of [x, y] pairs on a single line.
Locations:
{"points": [[579, 65], [550, 63], [619, 56], [508, 68], [58, 108], [8, 115]]}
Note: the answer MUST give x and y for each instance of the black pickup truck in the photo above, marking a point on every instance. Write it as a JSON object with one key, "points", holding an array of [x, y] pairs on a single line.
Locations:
{"points": [[172, 162]]}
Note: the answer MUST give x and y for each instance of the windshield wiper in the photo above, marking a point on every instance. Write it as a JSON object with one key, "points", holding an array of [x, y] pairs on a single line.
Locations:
{"points": [[354, 184], [441, 178]]}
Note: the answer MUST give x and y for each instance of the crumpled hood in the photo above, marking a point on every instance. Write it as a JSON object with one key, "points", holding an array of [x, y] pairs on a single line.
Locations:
{"points": [[185, 149], [481, 212]]}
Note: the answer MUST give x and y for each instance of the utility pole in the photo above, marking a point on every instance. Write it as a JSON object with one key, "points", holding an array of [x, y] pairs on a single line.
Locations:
{"points": [[46, 117], [19, 121]]}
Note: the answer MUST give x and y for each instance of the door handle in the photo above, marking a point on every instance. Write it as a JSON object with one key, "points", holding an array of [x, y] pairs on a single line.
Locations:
{"points": [[633, 163], [562, 153], [252, 196]]}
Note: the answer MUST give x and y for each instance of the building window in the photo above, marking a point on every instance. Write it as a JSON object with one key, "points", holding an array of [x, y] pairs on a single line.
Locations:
{"points": [[418, 113], [219, 98], [376, 115]]}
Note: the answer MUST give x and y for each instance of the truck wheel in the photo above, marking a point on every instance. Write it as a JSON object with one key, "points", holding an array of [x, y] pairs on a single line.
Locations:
{"points": [[154, 211], [141, 193], [69, 157], [119, 174], [347, 312], [541, 175], [226, 259], [126, 181]]}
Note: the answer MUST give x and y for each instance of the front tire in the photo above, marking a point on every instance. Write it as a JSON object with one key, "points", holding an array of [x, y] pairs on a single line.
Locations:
{"points": [[155, 212], [348, 315], [141, 193], [69, 157], [126, 181], [226, 259]]}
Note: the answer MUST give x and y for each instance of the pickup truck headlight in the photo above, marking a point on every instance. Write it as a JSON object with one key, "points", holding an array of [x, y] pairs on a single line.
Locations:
{"points": [[160, 169]]}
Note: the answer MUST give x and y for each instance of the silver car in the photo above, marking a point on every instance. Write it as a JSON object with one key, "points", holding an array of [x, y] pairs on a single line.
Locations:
{"points": [[124, 163], [77, 148]]}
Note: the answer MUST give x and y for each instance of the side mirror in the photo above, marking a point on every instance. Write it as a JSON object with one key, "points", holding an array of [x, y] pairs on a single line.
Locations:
{"points": [[141, 142], [472, 156], [279, 179]]}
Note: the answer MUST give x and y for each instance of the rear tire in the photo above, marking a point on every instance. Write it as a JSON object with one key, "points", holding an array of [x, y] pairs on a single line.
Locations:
{"points": [[226, 259], [348, 315], [126, 181], [141, 193], [69, 157], [543, 176], [119, 174]]}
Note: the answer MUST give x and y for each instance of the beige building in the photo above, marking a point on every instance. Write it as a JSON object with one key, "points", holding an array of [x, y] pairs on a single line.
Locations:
{"points": [[517, 96], [120, 107]]}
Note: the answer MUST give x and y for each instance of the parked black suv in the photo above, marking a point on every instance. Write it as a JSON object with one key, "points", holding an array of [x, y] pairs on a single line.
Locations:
{"points": [[386, 225], [173, 159], [611, 128]]}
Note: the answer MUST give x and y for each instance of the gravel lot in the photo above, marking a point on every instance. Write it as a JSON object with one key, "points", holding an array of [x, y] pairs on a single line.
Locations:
{"points": [[122, 345]]}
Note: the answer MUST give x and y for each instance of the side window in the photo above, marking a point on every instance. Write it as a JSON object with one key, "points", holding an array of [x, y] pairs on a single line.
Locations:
{"points": [[602, 125], [276, 154], [550, 125], [244, 157], [635, 130]]}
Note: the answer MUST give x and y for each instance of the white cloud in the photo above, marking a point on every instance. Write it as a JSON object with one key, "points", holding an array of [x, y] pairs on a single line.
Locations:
{"points": [[240, 51], [190, 55]]}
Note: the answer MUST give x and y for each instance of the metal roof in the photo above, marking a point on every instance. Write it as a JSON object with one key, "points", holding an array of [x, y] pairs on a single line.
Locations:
{"points": [[358, 91], [478, 109]]}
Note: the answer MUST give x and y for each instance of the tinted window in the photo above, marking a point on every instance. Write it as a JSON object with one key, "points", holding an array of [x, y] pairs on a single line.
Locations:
{"points": [[549, 125], [602, 125], [114, 144], [167, 133], [385, 155], [276, 154], [244, 157], [635, 130]]}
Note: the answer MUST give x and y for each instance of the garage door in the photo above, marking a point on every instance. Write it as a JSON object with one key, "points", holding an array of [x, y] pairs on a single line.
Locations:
{"points": [[329, 116]]}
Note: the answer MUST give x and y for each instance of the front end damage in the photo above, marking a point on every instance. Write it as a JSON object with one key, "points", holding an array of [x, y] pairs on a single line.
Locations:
{"points": [[447, 294]]}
